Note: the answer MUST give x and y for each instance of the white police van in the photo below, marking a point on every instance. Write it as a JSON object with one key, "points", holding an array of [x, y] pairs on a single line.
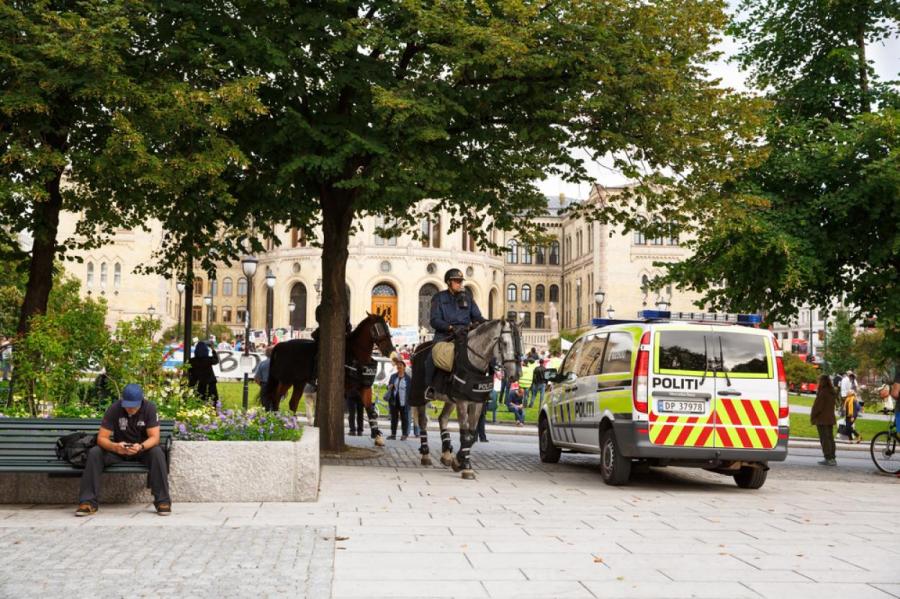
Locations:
{"points": [[671, 389]]}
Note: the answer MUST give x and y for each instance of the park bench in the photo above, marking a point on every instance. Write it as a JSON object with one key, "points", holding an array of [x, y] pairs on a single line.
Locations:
{"points": [[28, 445]]}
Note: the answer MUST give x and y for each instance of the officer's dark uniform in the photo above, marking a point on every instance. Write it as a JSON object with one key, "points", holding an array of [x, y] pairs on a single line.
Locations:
{"points": [[449, 311]]}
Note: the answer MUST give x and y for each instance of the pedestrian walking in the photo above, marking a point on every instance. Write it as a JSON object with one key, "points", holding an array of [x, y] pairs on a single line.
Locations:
{"points": [[201, 374], [822, 416], [526, 379], [398, 399], [850, 413], [538, 384]]}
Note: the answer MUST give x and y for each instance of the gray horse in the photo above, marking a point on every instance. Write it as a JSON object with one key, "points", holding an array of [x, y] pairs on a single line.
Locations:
{"points": [[492, 341]]}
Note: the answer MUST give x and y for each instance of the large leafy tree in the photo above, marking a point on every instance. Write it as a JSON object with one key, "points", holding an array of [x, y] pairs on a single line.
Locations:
{"points": [[816, 221], [375, 105]]}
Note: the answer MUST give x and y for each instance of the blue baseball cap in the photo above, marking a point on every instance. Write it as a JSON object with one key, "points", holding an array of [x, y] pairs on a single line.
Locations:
{"points": [[132, 396]]}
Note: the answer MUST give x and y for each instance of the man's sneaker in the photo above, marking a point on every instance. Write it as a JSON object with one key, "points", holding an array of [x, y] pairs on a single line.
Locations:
{"points": [[86, 509], [404, 437], [828, 462], [392, 437], [164, 509]]}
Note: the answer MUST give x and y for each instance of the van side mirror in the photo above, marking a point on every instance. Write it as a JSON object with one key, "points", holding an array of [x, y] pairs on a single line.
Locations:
{"points": [[570, 377], [550, 374]]}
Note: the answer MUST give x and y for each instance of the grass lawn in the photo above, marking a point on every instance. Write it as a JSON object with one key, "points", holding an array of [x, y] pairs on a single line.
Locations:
{"points": [[800, 427], [801, 400]]}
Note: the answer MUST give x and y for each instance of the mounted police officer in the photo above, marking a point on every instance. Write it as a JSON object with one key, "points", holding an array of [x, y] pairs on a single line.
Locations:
{"points": [[452, 312]]}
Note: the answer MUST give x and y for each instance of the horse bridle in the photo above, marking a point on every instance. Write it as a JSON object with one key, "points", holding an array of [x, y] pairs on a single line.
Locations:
{"points": [[380, 332], [512, 331]]}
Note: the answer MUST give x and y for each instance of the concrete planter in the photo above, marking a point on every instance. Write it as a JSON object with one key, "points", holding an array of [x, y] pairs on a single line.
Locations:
{"points": [[201, 471]]}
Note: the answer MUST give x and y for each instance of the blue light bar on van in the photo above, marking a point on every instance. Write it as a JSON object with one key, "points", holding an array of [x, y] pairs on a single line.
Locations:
{"points": [[605, 322], [654, 314], [749, 319]]}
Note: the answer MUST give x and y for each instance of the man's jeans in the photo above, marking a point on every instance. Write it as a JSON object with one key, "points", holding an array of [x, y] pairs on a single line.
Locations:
{"points": [[98, 459], [400, 413], [535, 390]]}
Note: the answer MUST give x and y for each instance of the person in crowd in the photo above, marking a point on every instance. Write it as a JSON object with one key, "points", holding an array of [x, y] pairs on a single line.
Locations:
{"points": [[453, 311], [496, 393], [398, 389], [851, 412], [555, 360], [129, 432], [201, 374], [261, 375], [538, 385], [526, 379], [533, 355], [823, 418], [517, 403]]}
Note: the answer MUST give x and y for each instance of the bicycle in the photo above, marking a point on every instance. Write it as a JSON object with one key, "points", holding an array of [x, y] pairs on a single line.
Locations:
{"points": [[885, 449]]}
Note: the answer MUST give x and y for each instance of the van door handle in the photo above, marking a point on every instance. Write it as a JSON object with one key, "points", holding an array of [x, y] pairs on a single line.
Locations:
{"points": [[572, 388], [728, 393]]}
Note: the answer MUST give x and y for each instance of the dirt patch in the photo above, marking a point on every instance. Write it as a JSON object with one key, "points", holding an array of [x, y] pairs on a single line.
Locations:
{"points": [[353, 453]]}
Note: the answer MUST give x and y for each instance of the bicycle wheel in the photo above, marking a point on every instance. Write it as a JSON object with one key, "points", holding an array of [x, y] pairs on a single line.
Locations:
{"points": [[886, 452]]}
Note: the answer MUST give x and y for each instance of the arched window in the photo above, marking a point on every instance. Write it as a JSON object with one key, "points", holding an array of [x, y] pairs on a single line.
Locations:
{"points": [[512, 255], [554, 253], [242, 287], [539, 294], [526, 322], [526, 254], [511, 293], [198, 287], [554, 293], [227, 286], [213, 287], [298, 297], [426, 292], [90, 274], [526, 293], [117, 275], [540, 254], [103, 275], [539, 320]]}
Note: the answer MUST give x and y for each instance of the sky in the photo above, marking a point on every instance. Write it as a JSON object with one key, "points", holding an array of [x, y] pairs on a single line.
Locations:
{"points": [[885, 57]]}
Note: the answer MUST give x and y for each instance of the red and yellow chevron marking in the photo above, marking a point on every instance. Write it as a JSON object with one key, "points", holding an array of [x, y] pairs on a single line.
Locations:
{"points": [[746, 423], [737, 423]]}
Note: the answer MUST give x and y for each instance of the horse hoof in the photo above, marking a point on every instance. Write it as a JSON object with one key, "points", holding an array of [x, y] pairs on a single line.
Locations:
{"points": [[379, 441], [447, 459], [468, 475], [456, 465], [426, 460]]}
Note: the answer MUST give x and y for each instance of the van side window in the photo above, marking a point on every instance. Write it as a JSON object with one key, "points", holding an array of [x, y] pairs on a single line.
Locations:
{"points": [[592, 355], [618, 353], [744, 353]]}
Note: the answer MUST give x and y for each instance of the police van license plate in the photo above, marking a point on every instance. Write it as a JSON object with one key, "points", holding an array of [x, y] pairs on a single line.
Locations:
{"points": [[677, 406]]}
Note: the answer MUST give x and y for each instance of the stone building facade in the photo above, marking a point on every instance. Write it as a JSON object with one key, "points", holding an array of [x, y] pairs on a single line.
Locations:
{"points": [[552, 287]]}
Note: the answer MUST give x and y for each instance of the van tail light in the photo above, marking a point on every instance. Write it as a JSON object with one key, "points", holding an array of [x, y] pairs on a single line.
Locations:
{"points": [[640, 389], [783, 409]]}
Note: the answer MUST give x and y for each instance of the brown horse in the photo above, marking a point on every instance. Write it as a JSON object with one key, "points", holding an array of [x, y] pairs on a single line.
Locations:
{"points": [[293, 365]]}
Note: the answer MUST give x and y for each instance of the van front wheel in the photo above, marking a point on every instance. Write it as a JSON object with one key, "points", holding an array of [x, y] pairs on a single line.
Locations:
{"points": [[549, 452], [749, 477], [614, 467]]}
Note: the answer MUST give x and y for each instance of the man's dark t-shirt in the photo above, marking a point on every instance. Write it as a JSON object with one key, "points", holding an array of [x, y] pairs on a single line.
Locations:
{"points": [[130, 429]]}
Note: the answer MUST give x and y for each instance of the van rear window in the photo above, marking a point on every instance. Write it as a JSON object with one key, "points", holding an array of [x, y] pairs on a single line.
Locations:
{"points": [[684, 350]]}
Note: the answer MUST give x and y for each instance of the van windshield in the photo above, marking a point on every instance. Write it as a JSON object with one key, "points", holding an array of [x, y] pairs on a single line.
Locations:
{"points": [[684, 351]]}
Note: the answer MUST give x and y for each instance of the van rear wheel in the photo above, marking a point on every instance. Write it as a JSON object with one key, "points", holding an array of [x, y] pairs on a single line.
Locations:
{"points": [[749, 477], [549, 452], [614, 467]]}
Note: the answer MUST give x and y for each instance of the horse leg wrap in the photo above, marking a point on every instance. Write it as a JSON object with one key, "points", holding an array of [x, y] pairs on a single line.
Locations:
{"points": [[423, 444], [466, 440], [373, 421], [446, 444]]}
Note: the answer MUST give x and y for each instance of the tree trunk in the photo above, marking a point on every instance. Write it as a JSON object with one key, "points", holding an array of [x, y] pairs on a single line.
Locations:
{"points": [[43, 252], [337, 217], [865, 102]]}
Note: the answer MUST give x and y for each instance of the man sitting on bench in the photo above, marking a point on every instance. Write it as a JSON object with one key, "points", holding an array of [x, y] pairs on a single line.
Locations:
{"points": [[129, 431]]}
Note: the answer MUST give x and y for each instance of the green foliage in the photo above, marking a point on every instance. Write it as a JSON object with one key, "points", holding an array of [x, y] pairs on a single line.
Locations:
{"points": [[816, 220], [797, 371], [132, 355], [868, 349], [839, 355], [554, 345]]}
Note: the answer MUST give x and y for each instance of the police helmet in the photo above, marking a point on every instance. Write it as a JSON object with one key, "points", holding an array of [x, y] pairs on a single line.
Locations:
{"points": [[453, 273]]}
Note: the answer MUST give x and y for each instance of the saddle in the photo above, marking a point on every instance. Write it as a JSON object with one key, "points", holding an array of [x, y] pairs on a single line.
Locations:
{"points": [[464, 382]]}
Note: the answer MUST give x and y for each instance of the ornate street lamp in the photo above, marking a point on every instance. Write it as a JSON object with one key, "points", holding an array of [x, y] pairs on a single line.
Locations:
{"points": [[599, 296], [179, 286], [661, 304], [270, 283], [248, 265], [291, 307], [610, 312]]}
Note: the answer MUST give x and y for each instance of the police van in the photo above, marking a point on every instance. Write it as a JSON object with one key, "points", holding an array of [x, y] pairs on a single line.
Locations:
{"points": [[671, 390]]}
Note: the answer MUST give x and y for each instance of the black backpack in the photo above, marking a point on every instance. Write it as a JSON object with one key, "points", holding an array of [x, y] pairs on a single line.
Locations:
{"points": [[74, 448]]}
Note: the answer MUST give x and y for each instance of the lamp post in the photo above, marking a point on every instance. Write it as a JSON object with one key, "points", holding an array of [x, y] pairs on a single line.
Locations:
{"points": [[318, 287], [610, 312], [661, 304], [208, 301], [270, 283], [179, 286], [599, 296], [248, 265]]}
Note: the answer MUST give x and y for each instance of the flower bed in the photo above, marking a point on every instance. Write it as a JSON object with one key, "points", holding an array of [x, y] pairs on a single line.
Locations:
{"points": [[229, 425]]}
